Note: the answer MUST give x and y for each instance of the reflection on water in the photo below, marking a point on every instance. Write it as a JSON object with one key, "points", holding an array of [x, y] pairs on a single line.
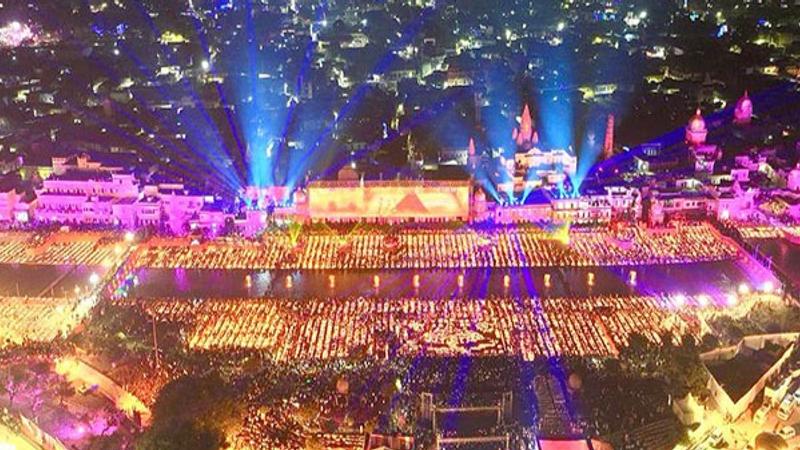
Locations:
{"points": [[714, 278], [42, 280]]}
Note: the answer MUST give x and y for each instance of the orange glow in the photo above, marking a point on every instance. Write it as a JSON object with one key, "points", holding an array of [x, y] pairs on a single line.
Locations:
{"points": [[381, 200]]}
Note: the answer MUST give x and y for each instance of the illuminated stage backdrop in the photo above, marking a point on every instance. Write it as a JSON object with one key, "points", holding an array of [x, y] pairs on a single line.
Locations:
{"points": [[400, 200]]}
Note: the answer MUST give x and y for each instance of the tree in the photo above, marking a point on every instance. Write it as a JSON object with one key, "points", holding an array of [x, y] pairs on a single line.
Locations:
{"points": [[122, 329], [114, 418], [113, 441], [64, 390], [193, 412], [189, 435]]}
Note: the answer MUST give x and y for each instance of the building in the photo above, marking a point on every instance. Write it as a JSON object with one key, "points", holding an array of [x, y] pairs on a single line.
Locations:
{"points": [[793, 179], [612, 203], [389, 201], [16, 203], [532, 166], [696, 131], [739, 373], [663, 206], [83, 192], [743, 113]]}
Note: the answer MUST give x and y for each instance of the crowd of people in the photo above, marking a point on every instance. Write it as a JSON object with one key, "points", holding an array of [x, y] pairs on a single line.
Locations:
{"points": [[75, 248], [320, 329]]}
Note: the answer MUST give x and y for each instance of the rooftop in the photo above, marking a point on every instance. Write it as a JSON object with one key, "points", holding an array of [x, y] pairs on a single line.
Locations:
{"points": [[738, 374], [82, 175]]}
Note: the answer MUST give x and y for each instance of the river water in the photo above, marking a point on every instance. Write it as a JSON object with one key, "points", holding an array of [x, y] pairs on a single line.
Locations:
{"points": [[784, 255], [44, 280], [711, 278]]}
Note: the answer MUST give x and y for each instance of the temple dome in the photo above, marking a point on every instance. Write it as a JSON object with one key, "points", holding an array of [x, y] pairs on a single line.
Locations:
{"points": [[697, 123], [744, 110]]}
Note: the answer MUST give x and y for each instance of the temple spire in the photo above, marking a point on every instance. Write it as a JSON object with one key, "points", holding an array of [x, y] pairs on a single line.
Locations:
{"points": [[525, 135], [743, 113]]}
